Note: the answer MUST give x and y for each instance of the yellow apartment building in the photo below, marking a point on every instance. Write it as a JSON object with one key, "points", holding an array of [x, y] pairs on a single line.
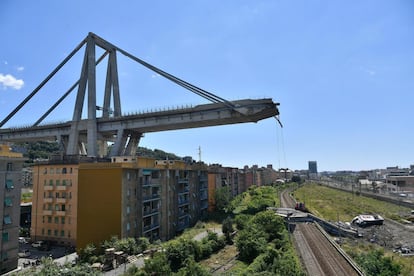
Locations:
{"points": [[139, 197]]}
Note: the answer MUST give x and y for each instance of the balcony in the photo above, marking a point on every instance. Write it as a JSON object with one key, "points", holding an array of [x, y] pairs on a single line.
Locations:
{"points": [[150, 212], [61, 188], [151, 226], [48, 200], [182, 214], [150, 197], [60, 213], [48, 188], [183, 224], [61, 200], [47, 212], [203, 196], [183, 180], [183, 202]]}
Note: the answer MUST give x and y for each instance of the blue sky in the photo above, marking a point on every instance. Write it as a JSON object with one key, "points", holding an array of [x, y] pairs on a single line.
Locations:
{"points": [[342, 72]]}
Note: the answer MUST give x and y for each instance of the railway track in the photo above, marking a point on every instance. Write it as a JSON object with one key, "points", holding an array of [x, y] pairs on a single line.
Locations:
{"points": [[318, 255]]}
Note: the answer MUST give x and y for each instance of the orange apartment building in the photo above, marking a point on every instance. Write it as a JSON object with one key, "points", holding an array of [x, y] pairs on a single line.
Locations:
{"points": [[54, 207]]}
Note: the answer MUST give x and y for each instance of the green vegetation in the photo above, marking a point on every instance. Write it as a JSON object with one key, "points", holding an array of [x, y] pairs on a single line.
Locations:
{"points": [[254, 200], [49, 267], [37, 150], [374, 263], [43, 149], [223, 198], [330, 203], [92, 254], [156, 154], [26, 197]]}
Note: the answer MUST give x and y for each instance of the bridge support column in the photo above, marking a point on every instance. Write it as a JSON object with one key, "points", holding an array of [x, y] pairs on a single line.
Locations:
{"points": [[126, 143]]}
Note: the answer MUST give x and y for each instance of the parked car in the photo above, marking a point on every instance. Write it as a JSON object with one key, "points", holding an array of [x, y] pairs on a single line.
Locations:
{"points": [[24, 254], [22, 240], [38, 244]]}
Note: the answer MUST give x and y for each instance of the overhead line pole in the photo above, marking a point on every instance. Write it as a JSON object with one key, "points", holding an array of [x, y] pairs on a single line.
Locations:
{"points": [[5, 120]]}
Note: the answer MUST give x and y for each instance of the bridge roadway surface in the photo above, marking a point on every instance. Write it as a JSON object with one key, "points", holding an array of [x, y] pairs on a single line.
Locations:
{"points": [[318, 255], [192, 117]]}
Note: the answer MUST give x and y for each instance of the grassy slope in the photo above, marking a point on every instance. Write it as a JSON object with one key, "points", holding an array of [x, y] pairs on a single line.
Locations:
{"points": [[330, 203]]}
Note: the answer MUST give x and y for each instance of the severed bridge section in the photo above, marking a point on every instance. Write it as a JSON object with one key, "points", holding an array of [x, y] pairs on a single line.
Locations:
{"points": [[90, 136]]}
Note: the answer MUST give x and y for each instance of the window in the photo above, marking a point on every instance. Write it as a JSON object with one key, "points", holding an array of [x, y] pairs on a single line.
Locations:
{"points": [[49, 232], [50, 182], [45, 171], [63, 182], [9, 167], [51, 171], [62, 233], [7, 220], [56, 220], [57, 207], [57, 170], [43, 231], [57, 182], [9, 184], [63, 207], [128, 226], [69, 220], [128, 210], [56, 232], [43, 219], [4, 256], [128, 176], [68, 234], [5, 236], [57, 195], [8, 201], [63, 220], [63, 170], [49, 219]]}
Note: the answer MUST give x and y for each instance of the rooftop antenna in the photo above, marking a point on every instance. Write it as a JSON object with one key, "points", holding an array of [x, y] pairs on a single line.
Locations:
{"points": [[199, 154]]}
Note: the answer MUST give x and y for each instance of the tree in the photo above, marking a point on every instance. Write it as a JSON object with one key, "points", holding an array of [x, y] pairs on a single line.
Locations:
{"points": [[222, 197], [192, 268], [250, 242], [88, 254], [375, 263], [49, 267], [227, 229], [275, 262], [270, 223], [177, 251], [157, 265], [242, 220], [142, 244]]}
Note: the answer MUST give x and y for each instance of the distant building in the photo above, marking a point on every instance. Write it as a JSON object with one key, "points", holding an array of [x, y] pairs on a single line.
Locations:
{"points": [[313, 167], [11, 164]]}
